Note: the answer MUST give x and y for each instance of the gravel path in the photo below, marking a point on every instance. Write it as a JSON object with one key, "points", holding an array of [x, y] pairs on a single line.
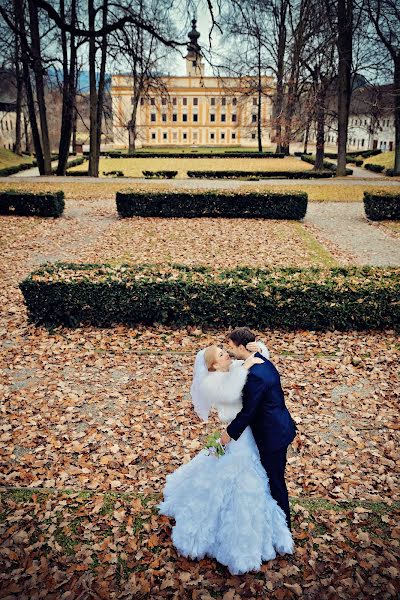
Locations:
{"points": [[345, 226]]}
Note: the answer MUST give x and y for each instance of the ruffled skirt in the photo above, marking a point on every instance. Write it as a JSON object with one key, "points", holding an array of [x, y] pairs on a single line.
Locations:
{"points": [[223, 509]]}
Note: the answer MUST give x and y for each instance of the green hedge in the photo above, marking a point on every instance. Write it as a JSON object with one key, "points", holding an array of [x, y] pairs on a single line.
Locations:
{"points": [[160, 174], [270, 205], [382, 206], [7, 171], [326, 164], [375, 168], [47, 204], [116, 173], [232, 154], [317, 299], [260, 174]]}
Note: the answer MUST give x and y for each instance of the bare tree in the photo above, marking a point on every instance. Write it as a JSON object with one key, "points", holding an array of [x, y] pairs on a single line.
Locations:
{"points": [[385, 17]]}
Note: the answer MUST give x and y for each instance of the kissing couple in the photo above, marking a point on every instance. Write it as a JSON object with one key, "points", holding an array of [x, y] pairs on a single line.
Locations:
{"points": [[235, 507]]}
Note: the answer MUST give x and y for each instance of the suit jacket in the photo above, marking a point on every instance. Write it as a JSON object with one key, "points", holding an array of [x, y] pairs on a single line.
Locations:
{"points": [[264, 410]]}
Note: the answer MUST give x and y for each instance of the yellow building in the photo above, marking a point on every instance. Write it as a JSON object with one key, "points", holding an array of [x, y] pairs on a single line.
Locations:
{"points": [[193, 110]]}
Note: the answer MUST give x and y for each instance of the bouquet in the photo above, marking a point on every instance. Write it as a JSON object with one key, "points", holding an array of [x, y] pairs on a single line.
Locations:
{"points": [[214, 446]]}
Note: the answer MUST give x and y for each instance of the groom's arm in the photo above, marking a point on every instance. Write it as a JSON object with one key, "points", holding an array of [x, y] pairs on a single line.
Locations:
{"points": [[252, 395]]}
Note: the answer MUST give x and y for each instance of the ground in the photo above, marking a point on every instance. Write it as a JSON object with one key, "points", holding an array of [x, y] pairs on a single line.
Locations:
{"points": [[10, 159], [385, 158], [94, 419]]}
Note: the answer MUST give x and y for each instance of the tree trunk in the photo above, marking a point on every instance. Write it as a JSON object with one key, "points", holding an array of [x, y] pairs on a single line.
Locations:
{"points": [[397, 114], [69, 77], [132, 125], [320, 141], [39, 81], [25, 59], [259, 90], [101, 89], [93, 162], [344, 45], [28, 143], [306, 136], [18, 108], [280, 69]]}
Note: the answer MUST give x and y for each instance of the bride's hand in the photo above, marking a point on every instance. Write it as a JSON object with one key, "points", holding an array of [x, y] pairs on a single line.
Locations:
{"points": [[253, 347], [251, 361]]}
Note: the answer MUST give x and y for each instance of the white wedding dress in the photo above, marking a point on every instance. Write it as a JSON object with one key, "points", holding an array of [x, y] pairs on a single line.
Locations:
{"points": [[222, 506]]}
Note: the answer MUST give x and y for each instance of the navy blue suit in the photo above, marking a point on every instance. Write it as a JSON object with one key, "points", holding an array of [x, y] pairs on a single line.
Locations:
{"points": [[264, 410]]}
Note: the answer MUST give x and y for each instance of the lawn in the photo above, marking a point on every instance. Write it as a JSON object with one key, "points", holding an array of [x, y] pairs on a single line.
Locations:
{"points": [[134, 167], [385, 158], [9, 159]]}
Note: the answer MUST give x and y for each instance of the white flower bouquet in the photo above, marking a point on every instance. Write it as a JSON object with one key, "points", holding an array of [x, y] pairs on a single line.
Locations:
{"points": [[214, 446]]}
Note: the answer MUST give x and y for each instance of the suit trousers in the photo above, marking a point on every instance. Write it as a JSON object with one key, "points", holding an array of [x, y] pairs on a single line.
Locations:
{"points": [[274, 463]]}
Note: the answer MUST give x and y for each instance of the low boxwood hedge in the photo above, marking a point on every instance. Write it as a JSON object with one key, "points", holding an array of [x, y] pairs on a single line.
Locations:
{"points": [[116, 173], [269, 205], [317, 299], [382, 206], [7, 171], [47, 204], [375, 168], [192, 154], [260, 174], [326, 164], [160, 174]]}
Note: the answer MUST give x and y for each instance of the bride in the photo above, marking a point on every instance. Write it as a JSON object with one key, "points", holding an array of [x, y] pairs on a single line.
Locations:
{"points": [[222, 506]]}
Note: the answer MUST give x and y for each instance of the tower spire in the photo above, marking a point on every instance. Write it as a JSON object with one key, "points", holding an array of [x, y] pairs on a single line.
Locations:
{"points": [[194, 64]]}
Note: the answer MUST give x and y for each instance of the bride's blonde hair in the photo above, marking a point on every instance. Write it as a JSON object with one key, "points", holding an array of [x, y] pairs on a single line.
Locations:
{"points": [[209, 357]]}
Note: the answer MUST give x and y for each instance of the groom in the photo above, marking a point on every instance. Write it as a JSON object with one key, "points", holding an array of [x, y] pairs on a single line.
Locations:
{"points": [[265, 412]]}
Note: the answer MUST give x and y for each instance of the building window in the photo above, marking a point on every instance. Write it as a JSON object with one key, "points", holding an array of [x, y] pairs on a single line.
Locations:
{"points": [[222, 136], [195, 101], [253, 136], [184, 136], [212, 136], [165, 136], [153, 136], [212, 101], [212, 117], [164, 101], [194, 64], [153, 117], [233, 118], [184, 117], [234, 101], [174, 101], [365, 121], [174, 117], [234, 136], [141, 101], [195, 117], [223, 101], [223, 117], [362, 142], [164, 118], [254, 118], [153, 101], [184, 101], [254, 101]]}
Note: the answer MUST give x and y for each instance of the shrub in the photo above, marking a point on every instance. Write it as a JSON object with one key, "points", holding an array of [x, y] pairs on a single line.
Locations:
{"points": [[326, 164], [160, 174], [382, 206], [302, 153], [17, 168], [375, 168], [390, 173], [114, 173], [317, 299], [77, 173], [271, 205], [260, 174], [47, 204], [196, 154]]}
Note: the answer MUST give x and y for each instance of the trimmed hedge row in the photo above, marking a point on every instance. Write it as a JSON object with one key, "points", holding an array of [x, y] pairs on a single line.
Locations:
{"points": [[382, 206], [48, 204], [375, 168], [232, 154], [260, 174], [17, 168], [160, 174], [272, 205], [326, 164], [352, 153], [316, 299]]}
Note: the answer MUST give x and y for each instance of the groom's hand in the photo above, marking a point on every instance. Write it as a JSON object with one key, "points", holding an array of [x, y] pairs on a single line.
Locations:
{"points": [[225, 438]]}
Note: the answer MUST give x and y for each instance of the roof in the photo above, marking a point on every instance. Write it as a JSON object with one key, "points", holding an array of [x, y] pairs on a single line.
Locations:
{"points": [[369, 99]]}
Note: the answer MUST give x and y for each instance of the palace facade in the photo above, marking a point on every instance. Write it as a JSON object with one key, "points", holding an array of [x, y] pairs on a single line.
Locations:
{"points": [[193, 110]]}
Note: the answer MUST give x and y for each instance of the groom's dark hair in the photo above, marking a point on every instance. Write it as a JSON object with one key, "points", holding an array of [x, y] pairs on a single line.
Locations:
{"points": [[242, 336]]}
